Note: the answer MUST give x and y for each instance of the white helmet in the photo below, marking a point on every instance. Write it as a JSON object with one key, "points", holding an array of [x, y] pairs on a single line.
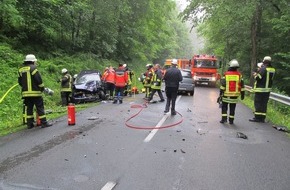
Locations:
{"points": [[267, 58], [64, 71], [30, 57], [234, 63], [125, 65], [149, 65], [174, 61], [75, 76]]}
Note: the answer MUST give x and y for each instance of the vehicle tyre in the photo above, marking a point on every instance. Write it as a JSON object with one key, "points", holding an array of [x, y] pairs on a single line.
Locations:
{"points": [[102, 95], [191, 93]]}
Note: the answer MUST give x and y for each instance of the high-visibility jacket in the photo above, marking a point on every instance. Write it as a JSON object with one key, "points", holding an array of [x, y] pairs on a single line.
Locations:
{"points": [[121, 77], [30, 81], [232, 85], [264, 79], [148, 76], [156, 80], [109, 76], [66, 83]]}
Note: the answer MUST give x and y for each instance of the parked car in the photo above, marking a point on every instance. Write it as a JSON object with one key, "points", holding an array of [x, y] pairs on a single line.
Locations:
{"points": [[187, 84], [88, 87]]}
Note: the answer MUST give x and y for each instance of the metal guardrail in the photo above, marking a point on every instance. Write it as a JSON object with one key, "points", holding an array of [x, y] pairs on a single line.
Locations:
{"points": [[274, 96]]}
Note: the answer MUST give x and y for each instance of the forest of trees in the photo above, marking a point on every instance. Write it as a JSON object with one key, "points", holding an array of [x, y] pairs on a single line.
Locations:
{"points": [[140, 31], [247, 31], [112, 29]]}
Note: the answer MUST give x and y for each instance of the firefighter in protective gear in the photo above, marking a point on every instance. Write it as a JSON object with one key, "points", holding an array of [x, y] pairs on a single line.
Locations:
{"points": [[232, 86], [66, 87], [109, 79], [121, 80], [147, 80], [32, 87], [130, 79], [262, 88], [156, 83]]}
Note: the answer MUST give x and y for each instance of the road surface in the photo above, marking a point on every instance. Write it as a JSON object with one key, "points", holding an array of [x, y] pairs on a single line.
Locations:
{"points": [[101, 152]]}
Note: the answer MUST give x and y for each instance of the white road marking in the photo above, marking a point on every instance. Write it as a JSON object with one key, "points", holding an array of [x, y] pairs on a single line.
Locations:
{"points": [[159, 124], [109, 185]]}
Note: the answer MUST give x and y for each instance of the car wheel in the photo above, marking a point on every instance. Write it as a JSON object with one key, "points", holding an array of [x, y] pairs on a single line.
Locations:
{"points": [[102, 95], [191, 93]]}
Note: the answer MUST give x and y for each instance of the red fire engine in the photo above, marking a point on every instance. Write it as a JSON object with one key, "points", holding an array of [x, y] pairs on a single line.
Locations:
{"points": [[204, 69]]}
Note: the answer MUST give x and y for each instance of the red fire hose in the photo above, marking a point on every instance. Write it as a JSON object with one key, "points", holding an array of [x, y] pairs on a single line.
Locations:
{"points": [[145, 105]]}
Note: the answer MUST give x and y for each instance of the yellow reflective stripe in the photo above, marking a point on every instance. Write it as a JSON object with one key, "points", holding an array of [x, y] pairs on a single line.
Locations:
{"points": [[41, 117], [224, 114], [29, 116], [259, 113], [262, 90], [31, 93], [229, 100], [33, 73], [41, 85], [231, 116], [66, 90]]}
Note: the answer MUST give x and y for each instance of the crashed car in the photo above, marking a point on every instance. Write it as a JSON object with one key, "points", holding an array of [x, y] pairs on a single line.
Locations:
{"points": [[88, 87], [187, 84]]}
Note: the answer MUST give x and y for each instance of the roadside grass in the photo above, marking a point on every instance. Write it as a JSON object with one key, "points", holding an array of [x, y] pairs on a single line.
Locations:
{"points": [[277, 113]]}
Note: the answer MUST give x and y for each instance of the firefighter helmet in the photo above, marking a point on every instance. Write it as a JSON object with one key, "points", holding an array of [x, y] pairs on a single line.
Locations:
{"points": [[30, 57], [149, 65], [267, 58], [64, 70], [234, 63], [174, 61]]}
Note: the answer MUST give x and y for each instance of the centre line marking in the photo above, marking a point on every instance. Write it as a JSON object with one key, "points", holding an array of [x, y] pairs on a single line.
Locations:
{"points": [[159, 124], [109, 185]]}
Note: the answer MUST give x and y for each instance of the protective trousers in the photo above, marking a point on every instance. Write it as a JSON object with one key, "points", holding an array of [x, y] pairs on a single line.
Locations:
{"points": [[38, 102], [65, 98], [171, 94], [260, 102], [225, 111], [119, 93]]}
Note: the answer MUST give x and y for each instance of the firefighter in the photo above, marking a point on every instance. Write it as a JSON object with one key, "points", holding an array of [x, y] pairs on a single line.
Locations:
{"points": [[156, 83], [130, 79], [121, 80], [66, 87], [32, 87], [232, 86], [147, 80], [262, 88], [172, 77], [109, 79]]}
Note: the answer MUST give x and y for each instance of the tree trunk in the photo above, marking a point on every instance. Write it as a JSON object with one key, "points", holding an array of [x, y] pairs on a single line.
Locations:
{"points": [[255, 30]]}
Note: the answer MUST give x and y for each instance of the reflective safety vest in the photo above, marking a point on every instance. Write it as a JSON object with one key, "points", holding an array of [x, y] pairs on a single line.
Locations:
{"points": [[66, 83], [121, 77], [109, 76], [232, 85], [30, 81], [264, 80], [148, 77], [156, 80]]}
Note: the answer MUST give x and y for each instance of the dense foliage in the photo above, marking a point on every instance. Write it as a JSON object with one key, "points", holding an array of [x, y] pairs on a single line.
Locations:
{"points": [[82, 34], [248, 31]]}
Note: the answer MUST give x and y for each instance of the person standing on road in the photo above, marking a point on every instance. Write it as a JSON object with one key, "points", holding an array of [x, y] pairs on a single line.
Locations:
{"points": [[66, 87], [121, 80], [232, 86], [109, 79], [262, 88], [172, 77], [32, 87], [147, 80], [156, 83]]}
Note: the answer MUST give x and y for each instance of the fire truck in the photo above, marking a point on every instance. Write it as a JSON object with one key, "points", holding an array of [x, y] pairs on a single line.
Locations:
{"points": [[204, 69]]}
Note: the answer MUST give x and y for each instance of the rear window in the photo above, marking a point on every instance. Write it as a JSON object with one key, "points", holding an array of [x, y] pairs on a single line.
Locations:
{"points": [[186, 74]]}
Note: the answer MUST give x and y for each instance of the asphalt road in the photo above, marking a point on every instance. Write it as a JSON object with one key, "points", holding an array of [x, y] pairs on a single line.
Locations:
{"points": [[101, 152]]}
